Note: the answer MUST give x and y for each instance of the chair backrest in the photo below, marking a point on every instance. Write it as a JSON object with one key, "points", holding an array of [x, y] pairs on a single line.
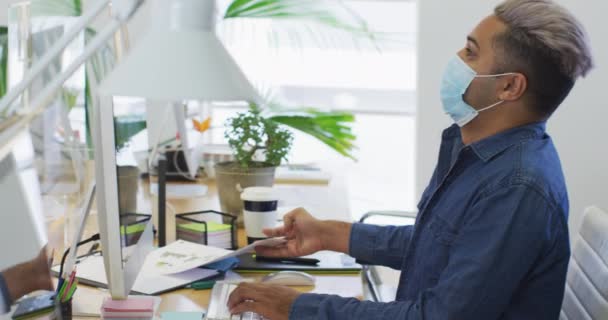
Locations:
{"points": [[587, 285]]}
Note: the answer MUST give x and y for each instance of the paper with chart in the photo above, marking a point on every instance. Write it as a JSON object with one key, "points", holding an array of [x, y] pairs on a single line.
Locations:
{"points": [[182, 255]]}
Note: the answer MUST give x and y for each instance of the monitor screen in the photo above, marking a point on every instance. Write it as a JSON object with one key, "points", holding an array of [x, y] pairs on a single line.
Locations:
{"points": [[22, 217], [123, 201]]}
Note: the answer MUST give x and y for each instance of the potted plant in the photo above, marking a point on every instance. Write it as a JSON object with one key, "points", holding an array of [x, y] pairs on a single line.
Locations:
{"points": [[259, 145], [128, 175]]}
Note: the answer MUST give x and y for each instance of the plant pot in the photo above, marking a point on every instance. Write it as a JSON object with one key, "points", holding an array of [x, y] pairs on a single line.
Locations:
{"points": [[231, 179], [128, 184]]}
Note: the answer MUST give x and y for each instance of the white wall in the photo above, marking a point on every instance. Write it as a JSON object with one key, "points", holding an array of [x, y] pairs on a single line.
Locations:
{"points": [[577, 128]]}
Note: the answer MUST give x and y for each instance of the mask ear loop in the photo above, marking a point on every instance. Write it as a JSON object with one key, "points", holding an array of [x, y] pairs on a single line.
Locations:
{"points": [[492, 106], [493, 76]]}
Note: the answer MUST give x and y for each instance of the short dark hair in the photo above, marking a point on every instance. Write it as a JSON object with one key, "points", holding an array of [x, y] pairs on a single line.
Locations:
{"points": [[545, 43]]}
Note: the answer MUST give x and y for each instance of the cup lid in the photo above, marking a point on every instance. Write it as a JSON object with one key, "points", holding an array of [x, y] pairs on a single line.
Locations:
{"points": [[259, 194]]}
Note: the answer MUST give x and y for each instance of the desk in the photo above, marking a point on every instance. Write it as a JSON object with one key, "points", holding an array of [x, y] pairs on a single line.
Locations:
{"points": [[323, 201], [195, 300]]}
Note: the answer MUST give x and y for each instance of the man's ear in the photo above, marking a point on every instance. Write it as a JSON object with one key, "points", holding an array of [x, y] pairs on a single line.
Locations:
{"points": [[513, 87]]}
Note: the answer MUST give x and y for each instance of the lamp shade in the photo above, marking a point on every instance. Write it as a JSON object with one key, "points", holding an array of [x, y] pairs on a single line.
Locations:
{"points": [[180, 58]]}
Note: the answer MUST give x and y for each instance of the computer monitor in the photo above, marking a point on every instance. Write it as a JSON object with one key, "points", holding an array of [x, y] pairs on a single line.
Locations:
{"points": [[22, 231], [122, 259]]}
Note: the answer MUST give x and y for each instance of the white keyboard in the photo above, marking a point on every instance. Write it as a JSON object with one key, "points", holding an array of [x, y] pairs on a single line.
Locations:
{"points": [[218, 306]]}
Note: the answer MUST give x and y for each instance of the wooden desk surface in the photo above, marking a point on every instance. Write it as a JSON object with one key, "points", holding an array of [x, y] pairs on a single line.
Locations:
{"points": [[334, 196], [90, 298]]}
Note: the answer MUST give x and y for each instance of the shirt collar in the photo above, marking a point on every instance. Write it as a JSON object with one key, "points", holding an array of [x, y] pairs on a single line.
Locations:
{"points": [[489, 147]]}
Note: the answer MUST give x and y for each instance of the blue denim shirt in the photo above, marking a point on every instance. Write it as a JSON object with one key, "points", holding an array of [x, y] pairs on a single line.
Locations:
{"points": [[490, 240]]}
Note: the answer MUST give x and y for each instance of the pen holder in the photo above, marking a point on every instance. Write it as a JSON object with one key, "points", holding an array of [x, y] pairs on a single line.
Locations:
{"points": [[192, 227], [64, 312]]}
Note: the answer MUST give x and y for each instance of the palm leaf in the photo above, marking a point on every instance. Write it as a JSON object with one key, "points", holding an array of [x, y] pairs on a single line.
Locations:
{"points": [[330, 127], [333, 14], [316, 20]]}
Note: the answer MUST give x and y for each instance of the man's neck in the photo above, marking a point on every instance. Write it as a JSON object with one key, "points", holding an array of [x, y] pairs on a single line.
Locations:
{"points": [[484, 127]]}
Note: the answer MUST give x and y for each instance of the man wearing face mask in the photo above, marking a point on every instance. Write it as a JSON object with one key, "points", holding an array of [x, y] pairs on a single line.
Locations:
{"points": [[491, 236]]}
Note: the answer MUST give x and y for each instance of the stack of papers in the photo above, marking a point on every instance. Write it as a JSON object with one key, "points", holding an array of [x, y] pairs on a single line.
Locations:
{"points": [[182, 255], [218, 235], [140, 308]]}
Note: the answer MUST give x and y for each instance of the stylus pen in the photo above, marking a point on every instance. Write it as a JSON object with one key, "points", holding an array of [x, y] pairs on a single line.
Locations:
{"points": [[59, 284], [305, 261]]}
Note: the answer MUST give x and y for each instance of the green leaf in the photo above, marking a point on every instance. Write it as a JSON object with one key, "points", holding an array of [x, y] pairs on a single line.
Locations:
{"points": [[250, 132], [332, 128], [332, 14], [125, 128], [3, 61]]}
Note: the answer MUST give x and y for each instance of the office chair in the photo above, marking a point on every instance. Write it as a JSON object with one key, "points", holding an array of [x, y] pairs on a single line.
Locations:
{"points": [[380, 283], [586, 294]]}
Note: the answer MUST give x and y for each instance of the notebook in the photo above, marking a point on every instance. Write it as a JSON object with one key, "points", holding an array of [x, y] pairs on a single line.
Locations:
{"points": [[330, 263], [91, 272]]}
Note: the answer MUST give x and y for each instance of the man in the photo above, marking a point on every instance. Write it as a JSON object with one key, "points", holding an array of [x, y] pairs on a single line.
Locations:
{"points": [[491, 237], [24, 278]]}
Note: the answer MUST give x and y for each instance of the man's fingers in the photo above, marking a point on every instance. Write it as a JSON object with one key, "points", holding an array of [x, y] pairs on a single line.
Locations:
{"points": [[248, 306], [244, 292], [289, 219], [277, 232], [282, 251]]}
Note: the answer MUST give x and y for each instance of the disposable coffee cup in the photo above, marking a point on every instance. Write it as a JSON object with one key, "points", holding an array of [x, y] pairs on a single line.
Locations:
{"points": [[259, 211]]}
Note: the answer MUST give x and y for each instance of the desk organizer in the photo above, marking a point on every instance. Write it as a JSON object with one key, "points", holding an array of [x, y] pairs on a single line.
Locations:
{"points": [[192, 227], [132, 226]]}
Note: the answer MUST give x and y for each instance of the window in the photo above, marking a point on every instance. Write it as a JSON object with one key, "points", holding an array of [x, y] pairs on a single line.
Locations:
{"points": [[378, 84]]}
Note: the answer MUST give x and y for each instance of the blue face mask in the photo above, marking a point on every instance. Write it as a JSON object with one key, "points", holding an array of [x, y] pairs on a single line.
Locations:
{"points": [[456, 79]]}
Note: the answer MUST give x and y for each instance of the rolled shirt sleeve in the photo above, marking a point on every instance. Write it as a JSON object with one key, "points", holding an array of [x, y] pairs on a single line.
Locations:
{"points": [[377, 245]]}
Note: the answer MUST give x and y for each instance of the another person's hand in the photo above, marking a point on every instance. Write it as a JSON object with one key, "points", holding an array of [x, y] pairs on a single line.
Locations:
{"points": [[270, 301], [29, 276], [304, 236]]}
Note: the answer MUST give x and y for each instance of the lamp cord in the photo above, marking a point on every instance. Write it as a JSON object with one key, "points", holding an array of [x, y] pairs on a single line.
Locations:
{"points": [[94, 237]]}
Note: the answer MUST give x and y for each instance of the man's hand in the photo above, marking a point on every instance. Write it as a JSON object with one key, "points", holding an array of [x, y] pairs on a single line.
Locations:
{"points": [[270, 301], [29, 276], [303, 233], [306, 235]]}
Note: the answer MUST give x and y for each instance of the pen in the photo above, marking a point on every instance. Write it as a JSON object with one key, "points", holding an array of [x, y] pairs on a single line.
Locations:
{"points": [[60, 283], [304, 261], [202, 285], [68, 286], [71, 291]]}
